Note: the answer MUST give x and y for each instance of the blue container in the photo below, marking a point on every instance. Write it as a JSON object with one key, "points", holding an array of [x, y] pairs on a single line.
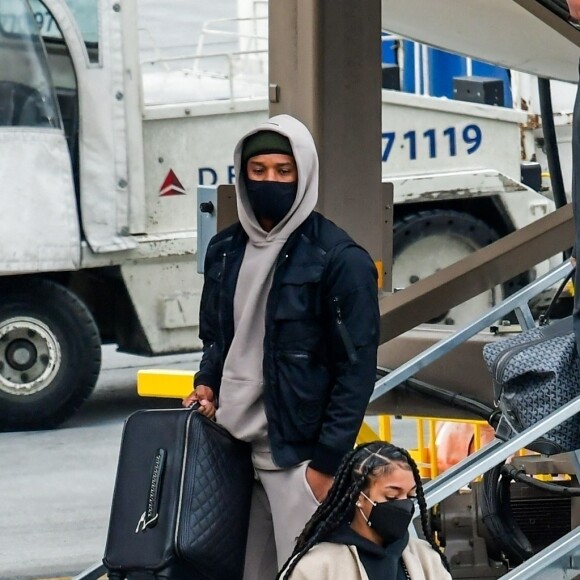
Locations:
{"points": [[388, 51], [443, 67], [409, 48]]}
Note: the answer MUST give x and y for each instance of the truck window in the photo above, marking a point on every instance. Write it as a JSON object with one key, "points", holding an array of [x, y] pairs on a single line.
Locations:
{"points": [[87, 19], [27, 98]]}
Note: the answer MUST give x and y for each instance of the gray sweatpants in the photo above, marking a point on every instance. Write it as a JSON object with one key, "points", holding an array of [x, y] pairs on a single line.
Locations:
{"points": [[282, 503]]}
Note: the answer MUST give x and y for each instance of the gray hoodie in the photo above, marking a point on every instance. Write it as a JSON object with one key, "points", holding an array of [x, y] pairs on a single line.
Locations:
{"points": [[241, 406]]}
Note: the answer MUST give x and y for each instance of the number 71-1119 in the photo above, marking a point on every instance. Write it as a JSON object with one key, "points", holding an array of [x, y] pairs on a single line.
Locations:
{"points": [[449, 141]]}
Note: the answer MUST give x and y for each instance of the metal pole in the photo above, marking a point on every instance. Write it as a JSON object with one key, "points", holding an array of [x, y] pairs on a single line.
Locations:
{"points": [[325, 69]]}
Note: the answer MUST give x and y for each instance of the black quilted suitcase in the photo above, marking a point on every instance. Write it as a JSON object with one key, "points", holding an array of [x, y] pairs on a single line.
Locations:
{"points": [[181, 501]]}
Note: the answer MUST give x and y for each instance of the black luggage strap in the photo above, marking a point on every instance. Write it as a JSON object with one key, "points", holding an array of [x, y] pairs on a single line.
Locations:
{"points": [[150, 516], [544, 318]]}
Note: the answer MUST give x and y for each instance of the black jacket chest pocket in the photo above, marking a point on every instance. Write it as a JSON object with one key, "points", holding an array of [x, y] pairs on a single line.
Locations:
{"points": [[212, 285], [299, 294], [215, 272]]}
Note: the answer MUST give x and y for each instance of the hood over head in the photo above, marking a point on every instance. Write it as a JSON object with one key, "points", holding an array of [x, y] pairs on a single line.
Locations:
{"points": [[306, 158]]}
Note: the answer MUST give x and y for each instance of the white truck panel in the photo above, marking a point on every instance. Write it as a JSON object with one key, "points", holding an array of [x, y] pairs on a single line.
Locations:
{"points": [[104, 170], [166, 295], [148, 246], [459, 184], [431, 135], [171, 177], [37, 232], [564, 138], [425, 140]]}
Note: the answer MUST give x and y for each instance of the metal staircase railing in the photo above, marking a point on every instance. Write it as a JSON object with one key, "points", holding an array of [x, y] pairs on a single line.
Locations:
{"points": [[560, 560], [517, 302], [95, 572], [489, 456]]}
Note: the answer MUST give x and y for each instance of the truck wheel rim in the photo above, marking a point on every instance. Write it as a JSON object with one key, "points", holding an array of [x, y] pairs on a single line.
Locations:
{"points": [[424, 257], [30, 356]]}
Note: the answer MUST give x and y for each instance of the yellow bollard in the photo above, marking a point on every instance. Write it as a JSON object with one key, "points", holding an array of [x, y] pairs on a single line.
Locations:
{"points": [[385, 432]]}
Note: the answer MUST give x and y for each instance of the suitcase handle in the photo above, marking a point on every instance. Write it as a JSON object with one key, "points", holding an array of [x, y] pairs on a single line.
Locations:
{"points": [[150, 516]]}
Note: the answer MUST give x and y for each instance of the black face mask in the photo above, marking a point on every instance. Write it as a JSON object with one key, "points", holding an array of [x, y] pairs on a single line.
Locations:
{"points": [[390, 519], [271, 200]]}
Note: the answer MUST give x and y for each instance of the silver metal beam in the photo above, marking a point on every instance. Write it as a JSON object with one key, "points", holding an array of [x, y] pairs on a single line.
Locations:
{"points": [[494, 264], [517, 300], [524, 316], [95, 572], [489, 456], [559, 561]]}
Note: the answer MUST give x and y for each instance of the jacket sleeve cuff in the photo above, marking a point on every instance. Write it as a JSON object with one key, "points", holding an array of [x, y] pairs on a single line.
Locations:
{"points": [[206, 379], [326, 459]]}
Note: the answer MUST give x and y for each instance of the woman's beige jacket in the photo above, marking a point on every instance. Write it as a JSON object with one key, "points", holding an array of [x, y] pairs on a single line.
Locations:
{"points": [[327, 561]]}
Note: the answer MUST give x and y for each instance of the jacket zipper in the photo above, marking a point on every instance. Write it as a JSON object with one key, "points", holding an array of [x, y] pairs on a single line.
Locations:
{"points": [[268, 336], [343, 333], [294, 355], [220, 315]]}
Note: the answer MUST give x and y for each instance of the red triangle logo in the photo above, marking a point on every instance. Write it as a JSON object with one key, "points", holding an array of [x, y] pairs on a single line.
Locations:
{"points": [[171, 185]]}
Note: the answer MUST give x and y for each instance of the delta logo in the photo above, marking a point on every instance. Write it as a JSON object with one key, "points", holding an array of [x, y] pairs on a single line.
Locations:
{"points": [[171, 186]]}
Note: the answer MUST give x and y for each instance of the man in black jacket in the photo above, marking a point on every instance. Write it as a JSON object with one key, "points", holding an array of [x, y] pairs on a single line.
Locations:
{"points": [[290, 328]]}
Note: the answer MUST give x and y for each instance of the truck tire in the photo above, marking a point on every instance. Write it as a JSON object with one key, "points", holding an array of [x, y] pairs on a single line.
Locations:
{"points": [[50, 354], [429, 240]]}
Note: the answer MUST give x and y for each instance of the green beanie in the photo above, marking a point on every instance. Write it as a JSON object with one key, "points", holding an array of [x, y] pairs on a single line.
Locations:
{"points": [[265, 142]]}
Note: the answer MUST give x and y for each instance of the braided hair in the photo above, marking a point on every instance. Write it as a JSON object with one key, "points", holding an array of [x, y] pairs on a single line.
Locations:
{"points": [[353, 476]]}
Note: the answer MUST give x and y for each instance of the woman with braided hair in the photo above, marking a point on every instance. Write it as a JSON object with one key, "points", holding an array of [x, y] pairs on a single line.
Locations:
{"points": [[360, 531]]}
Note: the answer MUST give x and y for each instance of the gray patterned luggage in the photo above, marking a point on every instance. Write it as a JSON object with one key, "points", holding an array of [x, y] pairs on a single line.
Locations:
{"points": [[534, 374]]}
